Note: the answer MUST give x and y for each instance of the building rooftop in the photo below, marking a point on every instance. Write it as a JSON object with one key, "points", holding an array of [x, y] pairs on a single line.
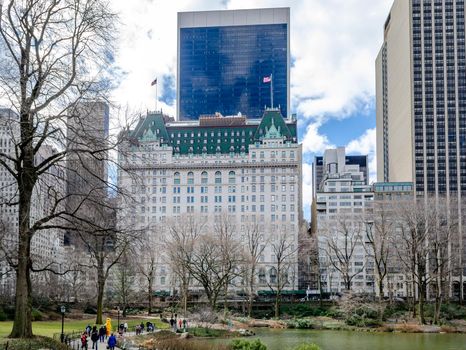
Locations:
{"points": [[214, 134]]}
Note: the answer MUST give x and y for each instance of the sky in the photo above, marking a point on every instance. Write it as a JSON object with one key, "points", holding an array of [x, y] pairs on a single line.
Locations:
{"points": [[334, 44]]}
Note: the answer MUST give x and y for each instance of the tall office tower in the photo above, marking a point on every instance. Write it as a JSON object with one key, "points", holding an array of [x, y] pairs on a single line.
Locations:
{"points": [[87, 130], [421, 96], [344, 206], [223, 58], [421, 105], [248, 170], [46, 244]]}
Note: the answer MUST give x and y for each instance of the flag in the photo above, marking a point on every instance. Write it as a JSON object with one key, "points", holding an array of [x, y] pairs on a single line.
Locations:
{"points": [[267, 79], [154, 82]]}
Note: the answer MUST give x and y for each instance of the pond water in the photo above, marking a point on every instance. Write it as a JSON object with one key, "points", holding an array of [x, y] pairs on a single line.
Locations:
{"points": [[343, 340]]}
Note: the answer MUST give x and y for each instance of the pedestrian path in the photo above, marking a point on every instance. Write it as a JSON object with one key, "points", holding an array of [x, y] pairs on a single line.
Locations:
{"points": [[76, 344]]}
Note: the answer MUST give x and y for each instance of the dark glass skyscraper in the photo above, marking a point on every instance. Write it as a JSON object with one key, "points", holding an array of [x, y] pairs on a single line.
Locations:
{"points": [[223, 57]]}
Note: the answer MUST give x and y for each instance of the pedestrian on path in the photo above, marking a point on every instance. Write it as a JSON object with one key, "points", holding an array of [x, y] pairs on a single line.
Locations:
{"points": [[102, 332], [112, 342], [84, 341], [94, 338]]}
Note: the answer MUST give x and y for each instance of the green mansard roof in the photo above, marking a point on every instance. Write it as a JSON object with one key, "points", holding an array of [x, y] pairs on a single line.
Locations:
{"points": [[214, 134]]}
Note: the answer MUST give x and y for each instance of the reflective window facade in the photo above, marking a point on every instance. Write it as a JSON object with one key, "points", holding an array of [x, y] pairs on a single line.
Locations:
{"points": [[221, 69]]}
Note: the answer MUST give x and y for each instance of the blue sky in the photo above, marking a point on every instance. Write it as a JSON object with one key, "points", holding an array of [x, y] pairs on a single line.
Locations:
{"points": [[334, 44]]}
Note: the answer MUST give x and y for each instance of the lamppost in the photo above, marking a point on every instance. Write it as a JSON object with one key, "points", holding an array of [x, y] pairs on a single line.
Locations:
{"points": [[63, 310]]}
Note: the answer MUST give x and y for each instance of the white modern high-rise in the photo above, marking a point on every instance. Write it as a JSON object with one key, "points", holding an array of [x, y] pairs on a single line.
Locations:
{"points": [[247, 170], [344, 207]]}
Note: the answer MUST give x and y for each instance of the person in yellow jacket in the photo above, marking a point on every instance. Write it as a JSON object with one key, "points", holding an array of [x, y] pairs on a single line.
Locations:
{"points": [[108, 325]]}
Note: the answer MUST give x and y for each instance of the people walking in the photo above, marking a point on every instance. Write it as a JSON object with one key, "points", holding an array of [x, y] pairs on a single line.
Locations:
{"points": [[102, 332], [84, 341], [112, 342], [126, 327], [173, 324], [185, 325], [88, 329], [94, 338]]}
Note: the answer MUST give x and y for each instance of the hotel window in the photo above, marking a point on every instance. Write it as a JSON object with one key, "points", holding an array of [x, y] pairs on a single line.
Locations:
{"points": [[190, 178]]}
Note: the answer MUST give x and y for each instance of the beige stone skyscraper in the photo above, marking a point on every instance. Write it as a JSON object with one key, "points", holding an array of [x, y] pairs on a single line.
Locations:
{"points": [[421, 96], [421, 104]]}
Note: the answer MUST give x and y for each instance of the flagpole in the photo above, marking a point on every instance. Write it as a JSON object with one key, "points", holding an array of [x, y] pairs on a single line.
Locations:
{"points": [[271, 90], [156, 96]]}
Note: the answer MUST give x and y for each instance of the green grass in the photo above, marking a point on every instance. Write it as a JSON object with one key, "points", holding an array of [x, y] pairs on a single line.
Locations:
{"points": [[49, 328], [38, 343]]}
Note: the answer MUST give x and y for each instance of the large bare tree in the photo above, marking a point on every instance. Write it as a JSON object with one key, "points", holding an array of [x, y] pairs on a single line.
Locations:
{"points": [[283, 252], [56, 53], [253, 250], [417, 223], [343, 237], [379, 238], [179, 248], [215, 258]]}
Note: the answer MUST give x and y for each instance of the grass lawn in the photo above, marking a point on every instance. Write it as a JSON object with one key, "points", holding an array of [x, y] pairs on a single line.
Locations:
{"points": [[49, 328]]}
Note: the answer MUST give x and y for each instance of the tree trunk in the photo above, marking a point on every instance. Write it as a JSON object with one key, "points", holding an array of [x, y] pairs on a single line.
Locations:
{"points": [[380, 291], [149, 297], [414, 298], [461, 286], [100, 294], [22, 325], [251, 292], [185, 298], [438, 305], [277, 304], [225, 299], [421, 301]]}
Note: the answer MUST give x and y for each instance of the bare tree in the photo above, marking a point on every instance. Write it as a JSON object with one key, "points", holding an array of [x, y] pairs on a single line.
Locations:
{"points": [[379, 238], [253, 250], [442, 253], [54, 52], [149, 250], [416, 222], [342, 240], [215, 258], [125, 280], [106, 247], [179, 247], [283, 252]]}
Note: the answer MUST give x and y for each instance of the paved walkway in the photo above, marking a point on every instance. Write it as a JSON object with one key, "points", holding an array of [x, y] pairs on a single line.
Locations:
{"points": [[76, 344]]}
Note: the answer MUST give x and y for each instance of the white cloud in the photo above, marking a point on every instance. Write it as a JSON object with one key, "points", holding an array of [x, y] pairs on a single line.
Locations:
{"points": [[313, 142], [307, 186], [366, 144], [147, 47], [333, 43]]}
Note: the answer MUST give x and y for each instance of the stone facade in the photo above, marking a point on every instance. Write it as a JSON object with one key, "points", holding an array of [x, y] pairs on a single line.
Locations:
{"points": [[249, 170]]}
